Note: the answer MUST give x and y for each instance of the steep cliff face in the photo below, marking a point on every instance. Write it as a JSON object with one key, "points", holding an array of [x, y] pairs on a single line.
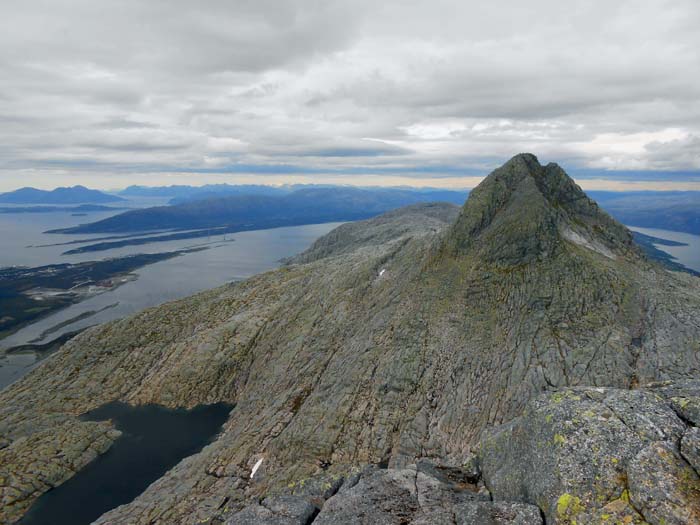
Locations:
{"points": [[399, 338]]}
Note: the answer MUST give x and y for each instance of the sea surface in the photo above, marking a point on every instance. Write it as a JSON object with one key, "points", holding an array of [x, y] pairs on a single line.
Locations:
{"points": [[688, 255], [228, 258]]}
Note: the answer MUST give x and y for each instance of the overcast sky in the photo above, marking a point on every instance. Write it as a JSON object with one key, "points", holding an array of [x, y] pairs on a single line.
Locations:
{"points": [[109, 93]]}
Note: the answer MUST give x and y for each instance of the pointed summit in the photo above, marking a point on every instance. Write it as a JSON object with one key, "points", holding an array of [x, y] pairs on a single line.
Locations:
{"points": [[523, 212]]}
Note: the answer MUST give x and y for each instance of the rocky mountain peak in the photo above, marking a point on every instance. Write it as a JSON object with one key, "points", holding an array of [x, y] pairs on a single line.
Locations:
{"points": [[524, 211]]}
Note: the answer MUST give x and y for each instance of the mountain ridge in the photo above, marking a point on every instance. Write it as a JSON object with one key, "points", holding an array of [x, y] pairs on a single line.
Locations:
{"points": [[404, 344], [70, 195], [302, 206]]}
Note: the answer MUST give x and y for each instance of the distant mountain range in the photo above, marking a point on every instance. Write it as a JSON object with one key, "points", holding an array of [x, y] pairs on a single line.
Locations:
{"points": [[82, 208], [180, 193], [242, 212], [72, 195], [227, 204], [668, 210]]}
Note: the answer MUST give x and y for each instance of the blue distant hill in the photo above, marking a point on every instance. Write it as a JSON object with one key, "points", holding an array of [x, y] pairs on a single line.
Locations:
{"points": [[73, 195], [242, 207], [668, 210], [182, 193], [310, 205]]}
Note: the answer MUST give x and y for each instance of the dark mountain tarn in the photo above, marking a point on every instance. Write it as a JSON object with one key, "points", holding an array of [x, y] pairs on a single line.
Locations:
{"points": [[153, 440]]}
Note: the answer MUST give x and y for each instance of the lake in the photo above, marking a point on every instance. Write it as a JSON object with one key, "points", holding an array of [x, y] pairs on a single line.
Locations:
{"points": [[153, 440]]}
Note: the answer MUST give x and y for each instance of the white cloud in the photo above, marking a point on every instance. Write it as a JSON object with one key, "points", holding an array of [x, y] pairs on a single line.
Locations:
{"points": [[132, 87]]}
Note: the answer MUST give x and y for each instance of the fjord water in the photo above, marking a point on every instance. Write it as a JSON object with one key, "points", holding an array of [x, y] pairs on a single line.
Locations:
{"points": [[22, 234], [228, 258], [239, 256], [153, 440], [688, 254]]}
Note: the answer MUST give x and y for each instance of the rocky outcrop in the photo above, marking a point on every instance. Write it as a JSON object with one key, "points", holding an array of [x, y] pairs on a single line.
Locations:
{"points": [[575, 456], [690, 447], [276, 510], [384, 348], [587, 455], [421, 494], [412, 495], [37, 461]]}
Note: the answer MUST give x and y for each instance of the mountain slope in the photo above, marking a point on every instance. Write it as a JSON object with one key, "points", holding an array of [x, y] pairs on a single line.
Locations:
{"points": [[72, 195], [345, 239], [383, 348]]}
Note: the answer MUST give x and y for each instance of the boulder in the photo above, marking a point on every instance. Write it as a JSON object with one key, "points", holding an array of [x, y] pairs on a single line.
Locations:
{"points": [[275, 510], [586, 455], [422, 494], [496, 513], [664, 488], [690, 447]]}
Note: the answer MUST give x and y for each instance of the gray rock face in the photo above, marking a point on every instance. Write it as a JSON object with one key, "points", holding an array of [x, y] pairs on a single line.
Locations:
{"points": [[585, 453], [418, 218], [276, 510], [496, 513], [664, 488], [685, 398], [387, 345], [412, 496], [690, 447]]}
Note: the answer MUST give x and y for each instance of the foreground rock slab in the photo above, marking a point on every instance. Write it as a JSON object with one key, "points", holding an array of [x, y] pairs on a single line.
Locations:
{"points": [[588, 455], [417, 495], [280, 510]]}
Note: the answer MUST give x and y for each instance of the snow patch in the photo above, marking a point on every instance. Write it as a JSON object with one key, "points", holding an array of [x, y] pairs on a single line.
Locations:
{"points": [[256, 467], [579, 239]]}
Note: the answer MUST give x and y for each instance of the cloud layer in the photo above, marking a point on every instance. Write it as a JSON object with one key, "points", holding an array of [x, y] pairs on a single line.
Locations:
{"points": [[324, 88]]}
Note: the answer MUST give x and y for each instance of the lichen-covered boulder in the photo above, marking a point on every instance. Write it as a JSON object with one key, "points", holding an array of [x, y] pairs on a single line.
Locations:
{"points": [[597, 455], [685, 399], [316, 489], [690, 447], [664, 488], [617, 512], [496, 513]]}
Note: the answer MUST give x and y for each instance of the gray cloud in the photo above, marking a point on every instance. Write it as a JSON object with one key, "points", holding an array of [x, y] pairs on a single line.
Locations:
{"points": [[330, 85]]}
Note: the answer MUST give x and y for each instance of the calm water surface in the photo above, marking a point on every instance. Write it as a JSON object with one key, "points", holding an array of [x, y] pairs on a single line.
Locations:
{"points": [[686, 255], [229, 258], [153, 440]]}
